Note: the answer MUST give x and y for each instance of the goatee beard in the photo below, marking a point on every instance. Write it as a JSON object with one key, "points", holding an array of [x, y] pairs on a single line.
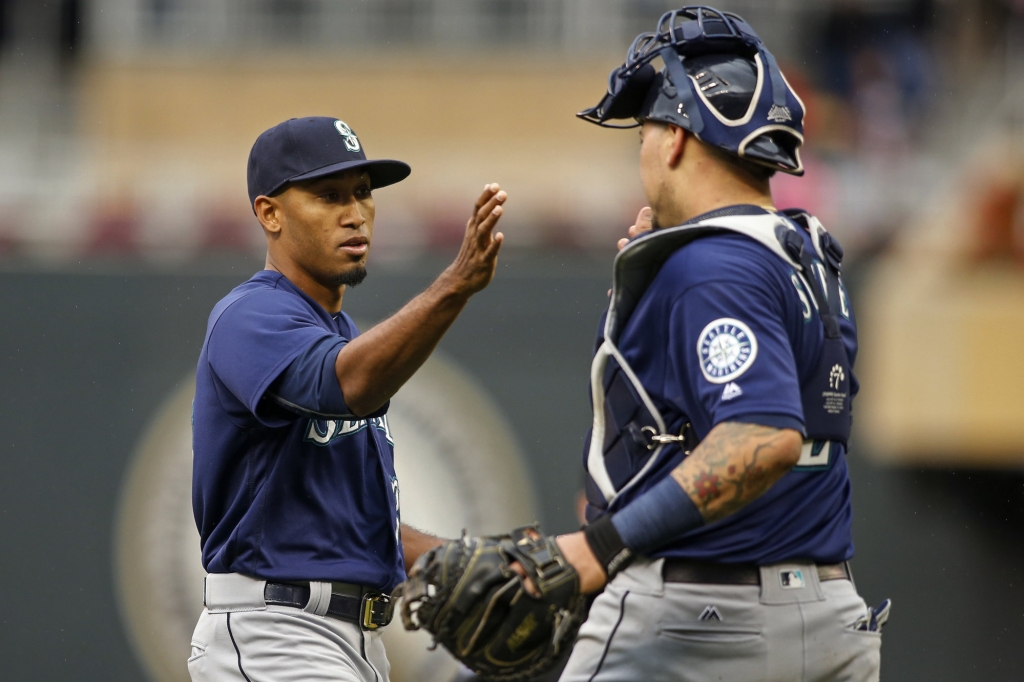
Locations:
{"points": [[353, 277]]}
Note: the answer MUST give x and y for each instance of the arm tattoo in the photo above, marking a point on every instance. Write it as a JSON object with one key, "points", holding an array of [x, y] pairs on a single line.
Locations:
{"points": [[735, 465]]}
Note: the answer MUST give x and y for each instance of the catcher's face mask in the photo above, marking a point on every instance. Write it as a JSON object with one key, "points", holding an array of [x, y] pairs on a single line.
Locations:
{"points": [[718, 81]]}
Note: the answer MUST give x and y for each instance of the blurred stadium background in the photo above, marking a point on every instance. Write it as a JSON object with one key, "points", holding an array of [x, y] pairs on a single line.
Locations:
{"points": [[124, 130]]}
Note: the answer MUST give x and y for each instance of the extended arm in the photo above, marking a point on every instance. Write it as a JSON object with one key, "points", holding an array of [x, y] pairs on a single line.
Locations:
{"points": [[373, 366], [734, 465], [415, 543]]}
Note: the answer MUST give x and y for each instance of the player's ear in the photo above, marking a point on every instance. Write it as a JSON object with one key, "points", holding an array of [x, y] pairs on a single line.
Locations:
{"points": [[268, 212], [676, 143]]}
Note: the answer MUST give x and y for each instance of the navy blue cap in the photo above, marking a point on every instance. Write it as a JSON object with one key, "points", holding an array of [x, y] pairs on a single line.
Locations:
{"points": [[312, 147]]}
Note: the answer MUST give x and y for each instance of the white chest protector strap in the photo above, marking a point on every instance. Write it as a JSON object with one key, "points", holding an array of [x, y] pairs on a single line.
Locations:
{"points": [[634, 269]]}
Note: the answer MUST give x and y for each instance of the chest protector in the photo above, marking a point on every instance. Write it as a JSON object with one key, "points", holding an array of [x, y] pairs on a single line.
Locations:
{"points": [[630, 437]]}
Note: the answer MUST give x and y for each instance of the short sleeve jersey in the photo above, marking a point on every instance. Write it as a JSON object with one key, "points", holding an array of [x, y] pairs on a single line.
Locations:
{"points": [[728, 285], [286, 483]]}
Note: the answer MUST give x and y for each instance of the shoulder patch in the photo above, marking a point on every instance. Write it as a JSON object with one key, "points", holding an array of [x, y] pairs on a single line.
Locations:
{"points": [[726, 349]]}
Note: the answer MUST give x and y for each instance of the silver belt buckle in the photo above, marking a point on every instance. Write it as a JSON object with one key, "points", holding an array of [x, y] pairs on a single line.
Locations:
{"points": [[377, 609]]}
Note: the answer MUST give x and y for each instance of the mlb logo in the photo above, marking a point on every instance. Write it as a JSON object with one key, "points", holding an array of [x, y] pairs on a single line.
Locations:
{"points": [[791, 579]]}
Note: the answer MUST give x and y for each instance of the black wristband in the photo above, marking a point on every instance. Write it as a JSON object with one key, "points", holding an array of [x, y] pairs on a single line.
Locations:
{"points": [[606, 544]]}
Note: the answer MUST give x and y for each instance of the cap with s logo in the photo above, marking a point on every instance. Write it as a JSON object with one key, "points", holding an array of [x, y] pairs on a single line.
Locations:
{"points": [[313, 147]]}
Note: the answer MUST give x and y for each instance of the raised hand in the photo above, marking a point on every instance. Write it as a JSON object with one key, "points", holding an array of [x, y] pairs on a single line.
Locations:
{"points": [[373, 366], [478, 257]]}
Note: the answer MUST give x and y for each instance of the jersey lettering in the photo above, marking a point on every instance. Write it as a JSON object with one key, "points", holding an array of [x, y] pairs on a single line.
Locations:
{"points": [[803, 297], [819, 270], [814, 455], [398, 510], [323, 432]]}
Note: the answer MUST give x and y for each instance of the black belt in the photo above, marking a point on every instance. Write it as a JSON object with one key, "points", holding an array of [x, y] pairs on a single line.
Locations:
{"points": [[687, 571], [367, 608]]}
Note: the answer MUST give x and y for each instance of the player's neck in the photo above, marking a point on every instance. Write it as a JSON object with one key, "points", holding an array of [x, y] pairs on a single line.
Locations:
{"points": [[707, 204], [707, 186], [328, 296]]}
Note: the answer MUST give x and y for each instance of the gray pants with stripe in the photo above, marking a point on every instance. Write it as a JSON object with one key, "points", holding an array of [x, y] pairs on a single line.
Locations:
{"points": [[239, 638], [641, 628]]}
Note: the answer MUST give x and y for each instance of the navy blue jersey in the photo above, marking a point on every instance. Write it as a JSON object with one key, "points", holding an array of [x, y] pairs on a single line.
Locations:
{"points": [[730, 284], [286, 483]]}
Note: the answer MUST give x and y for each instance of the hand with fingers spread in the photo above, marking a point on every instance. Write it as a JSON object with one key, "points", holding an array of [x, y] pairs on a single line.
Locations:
{"points": [[473, 269], [644, 223], [373, 366]]}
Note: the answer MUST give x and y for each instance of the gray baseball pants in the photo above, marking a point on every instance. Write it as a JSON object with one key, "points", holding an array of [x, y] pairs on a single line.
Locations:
{"points": [[641, 628], [239, 638]]}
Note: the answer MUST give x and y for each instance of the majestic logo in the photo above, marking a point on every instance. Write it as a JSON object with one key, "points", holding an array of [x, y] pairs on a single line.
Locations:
{"points": [[726, 349], [351, 141], [710, 613], [323, 432], [779, 114], [731, 391], [835, 377]]}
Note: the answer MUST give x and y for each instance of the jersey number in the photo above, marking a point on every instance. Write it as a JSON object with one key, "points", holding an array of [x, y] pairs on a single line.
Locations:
{"points": [[815, 454]]}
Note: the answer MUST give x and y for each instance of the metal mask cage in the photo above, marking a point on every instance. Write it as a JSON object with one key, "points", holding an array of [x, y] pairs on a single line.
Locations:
{"points": [[691, 30], [688, 28]]}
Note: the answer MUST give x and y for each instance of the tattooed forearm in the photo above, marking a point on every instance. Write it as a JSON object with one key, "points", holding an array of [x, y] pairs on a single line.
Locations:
{"points": [[735, 465]]}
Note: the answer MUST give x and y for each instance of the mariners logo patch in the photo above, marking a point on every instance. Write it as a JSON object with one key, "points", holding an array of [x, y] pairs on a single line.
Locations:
{"points": [[726, 349]]}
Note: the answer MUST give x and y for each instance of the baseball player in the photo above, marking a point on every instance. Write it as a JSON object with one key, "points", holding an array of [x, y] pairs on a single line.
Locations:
{"points": [[719, 496], [294, 487]]}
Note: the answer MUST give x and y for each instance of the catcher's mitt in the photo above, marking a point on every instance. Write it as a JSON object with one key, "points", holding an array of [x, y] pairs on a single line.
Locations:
{"points": [[466, 594]]}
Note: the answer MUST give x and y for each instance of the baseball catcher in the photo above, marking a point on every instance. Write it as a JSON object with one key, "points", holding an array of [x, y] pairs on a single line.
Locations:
{"points": [[719, 497], [505, 605]]}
